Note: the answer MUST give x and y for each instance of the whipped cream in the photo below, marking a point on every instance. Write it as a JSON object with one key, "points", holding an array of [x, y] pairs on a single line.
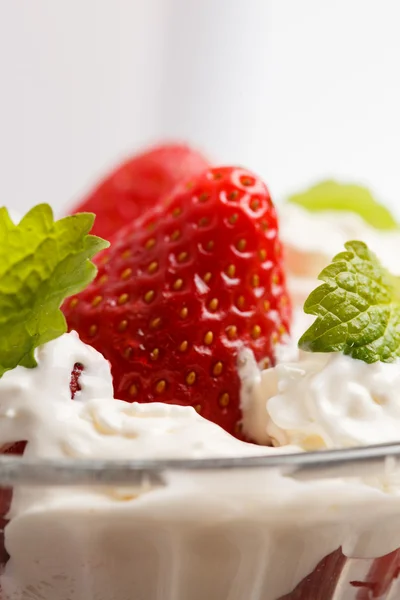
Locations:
{"points": [[322, 401], [95, 425], [224, 534], [312, 239], [319, 401], [250, 533]]}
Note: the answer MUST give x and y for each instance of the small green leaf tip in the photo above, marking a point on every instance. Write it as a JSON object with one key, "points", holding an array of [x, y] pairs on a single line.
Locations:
{"points": [[331, 195], [357, 308], [42, 262]]}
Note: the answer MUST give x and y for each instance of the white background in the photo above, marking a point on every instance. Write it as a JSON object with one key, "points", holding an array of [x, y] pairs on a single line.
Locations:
{"points": [[294, 89]]}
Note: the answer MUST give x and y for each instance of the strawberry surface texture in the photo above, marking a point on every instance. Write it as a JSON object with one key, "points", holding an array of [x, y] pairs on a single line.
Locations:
{"points": [[183, 289]]}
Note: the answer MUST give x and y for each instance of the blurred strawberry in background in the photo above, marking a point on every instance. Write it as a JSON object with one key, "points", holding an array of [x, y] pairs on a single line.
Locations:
{"points": [[138, 184]]}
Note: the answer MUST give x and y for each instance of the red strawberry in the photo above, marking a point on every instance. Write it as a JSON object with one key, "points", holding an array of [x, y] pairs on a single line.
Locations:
{"points": [[384, 571], [321, 583], [74, 385], [183, 289], [324, 581], [138, 184]]}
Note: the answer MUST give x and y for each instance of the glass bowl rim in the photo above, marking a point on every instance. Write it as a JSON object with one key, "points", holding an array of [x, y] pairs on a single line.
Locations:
{"points": [[306, 465]]}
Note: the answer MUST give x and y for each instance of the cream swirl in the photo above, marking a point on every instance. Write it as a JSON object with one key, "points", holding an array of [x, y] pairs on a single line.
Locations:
{"points": [[322, 401]]}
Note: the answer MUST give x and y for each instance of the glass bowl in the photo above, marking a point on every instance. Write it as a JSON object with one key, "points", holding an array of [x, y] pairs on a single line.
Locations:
{"points": [[313, 526]]}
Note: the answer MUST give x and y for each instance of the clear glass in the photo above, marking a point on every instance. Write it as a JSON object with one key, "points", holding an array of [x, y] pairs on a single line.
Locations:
{"points": [[200, 529]]}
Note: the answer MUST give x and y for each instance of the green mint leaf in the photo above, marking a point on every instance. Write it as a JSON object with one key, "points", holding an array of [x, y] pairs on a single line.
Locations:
{"points": [[42, 262], [357, 308], [331, 195]]}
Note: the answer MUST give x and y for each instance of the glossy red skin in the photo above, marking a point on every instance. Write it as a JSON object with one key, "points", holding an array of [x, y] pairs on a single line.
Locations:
{"points": [[139, 184], [112, 314]]}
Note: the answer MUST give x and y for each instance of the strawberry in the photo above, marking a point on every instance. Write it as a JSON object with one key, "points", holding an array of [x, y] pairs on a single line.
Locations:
{"points": [[138, 184], [74, 385], [183, 289], [322, 582], [384, 571]]}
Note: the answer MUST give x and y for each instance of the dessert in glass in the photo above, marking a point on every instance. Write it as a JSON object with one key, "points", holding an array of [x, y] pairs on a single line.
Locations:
{"points": [[194, 433]]}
